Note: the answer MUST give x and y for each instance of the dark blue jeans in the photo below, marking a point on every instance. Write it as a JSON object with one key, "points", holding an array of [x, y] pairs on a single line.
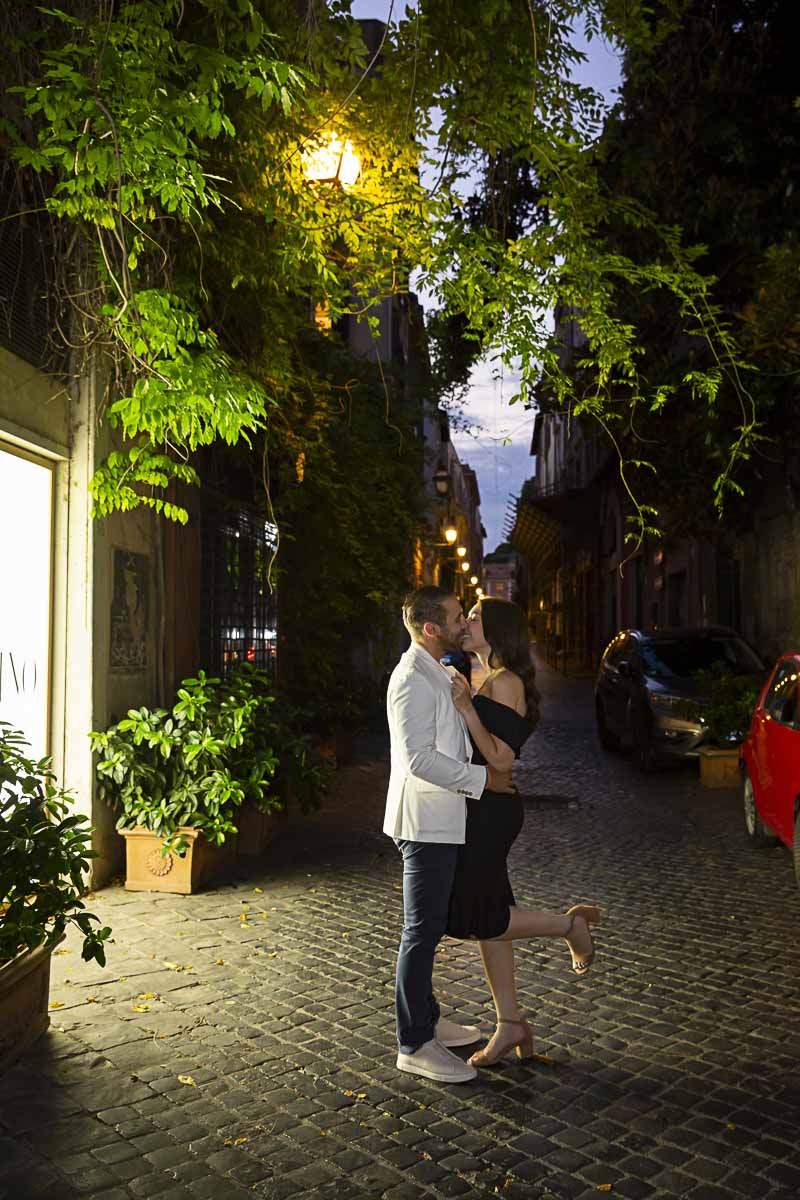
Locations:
{"points": [[428, 871]]}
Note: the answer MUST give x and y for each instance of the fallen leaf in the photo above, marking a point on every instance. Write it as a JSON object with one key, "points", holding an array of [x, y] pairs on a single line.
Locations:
{"points": [[361, 1095], [425, 1155], [147, 996], [187, 1079], [730, 1128], [172, 966], [57, 1004], [91, 999], [140, 1008], [57, 952], [245, 925], [604, 1187], [122, 979], [259, 890], [312, 889], [273, 954], [240, 1141], [220, 962], [345, 935]]}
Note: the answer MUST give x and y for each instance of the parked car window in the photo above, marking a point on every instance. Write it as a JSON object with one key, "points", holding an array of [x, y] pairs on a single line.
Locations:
{"points": [[780, 701], [683, 656]]}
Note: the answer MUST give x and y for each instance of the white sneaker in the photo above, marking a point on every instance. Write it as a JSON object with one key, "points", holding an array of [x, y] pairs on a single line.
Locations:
{"points": [[434, 1061], [451, 1034]]}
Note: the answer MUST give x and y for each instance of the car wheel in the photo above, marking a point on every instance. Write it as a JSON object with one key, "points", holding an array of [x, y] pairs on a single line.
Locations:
{"points": [[757, 831], [608, 740]]}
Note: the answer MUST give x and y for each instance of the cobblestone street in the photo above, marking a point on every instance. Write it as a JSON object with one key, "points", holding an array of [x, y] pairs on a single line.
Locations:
{"points": [[240, 1041]]}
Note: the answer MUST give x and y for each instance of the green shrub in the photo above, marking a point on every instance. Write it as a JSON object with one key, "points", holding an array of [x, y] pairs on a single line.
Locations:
{"points": [[44, 856], [222, 743], [729, 709]]}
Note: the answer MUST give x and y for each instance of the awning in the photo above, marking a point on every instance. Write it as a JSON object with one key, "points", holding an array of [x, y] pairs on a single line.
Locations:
{"points": [[535, 534]]}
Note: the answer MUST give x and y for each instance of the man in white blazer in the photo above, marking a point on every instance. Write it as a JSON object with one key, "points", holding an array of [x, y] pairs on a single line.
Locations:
{"points": [[431, 777]]}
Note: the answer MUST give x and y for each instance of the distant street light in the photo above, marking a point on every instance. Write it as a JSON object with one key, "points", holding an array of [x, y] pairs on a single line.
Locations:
{"points": [[450, 534], [461, 551], [332, 161], [465, 566], [473, 579]]}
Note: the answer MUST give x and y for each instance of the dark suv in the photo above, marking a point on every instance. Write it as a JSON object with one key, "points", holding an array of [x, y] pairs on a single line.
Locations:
{"points": [[645, 676]]}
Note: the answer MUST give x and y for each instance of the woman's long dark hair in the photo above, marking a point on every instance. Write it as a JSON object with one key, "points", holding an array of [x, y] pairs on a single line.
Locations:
{"points": [[505, 628]]}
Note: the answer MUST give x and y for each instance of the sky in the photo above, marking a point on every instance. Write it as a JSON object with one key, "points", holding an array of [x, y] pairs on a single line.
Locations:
{"points": [[499, 450]]}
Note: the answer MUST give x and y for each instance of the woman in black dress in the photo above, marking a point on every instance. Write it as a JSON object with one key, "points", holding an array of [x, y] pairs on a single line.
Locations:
{"points": [[500, 719]]}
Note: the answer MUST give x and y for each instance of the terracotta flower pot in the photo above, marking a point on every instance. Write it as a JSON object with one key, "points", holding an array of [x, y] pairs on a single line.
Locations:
{"points": [[24, 997], [719, 767], [148, 870]]}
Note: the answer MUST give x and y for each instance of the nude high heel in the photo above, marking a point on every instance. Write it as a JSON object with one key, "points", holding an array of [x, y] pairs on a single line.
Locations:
{"points": [[522, 1042], [590, 915]]}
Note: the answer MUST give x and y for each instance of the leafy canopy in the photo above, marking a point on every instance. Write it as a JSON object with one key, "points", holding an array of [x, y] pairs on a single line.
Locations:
{"points": [[172, 136]]}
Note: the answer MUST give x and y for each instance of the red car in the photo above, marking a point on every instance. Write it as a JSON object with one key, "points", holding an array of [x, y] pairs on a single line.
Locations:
{"points": [[770, 762]]}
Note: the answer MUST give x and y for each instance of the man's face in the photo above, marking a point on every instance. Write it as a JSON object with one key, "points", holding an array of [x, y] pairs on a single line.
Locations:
{"points": [[453, 631]]}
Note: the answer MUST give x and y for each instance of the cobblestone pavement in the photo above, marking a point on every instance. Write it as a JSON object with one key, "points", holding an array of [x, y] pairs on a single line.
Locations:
{"points": [[240, 1041]]}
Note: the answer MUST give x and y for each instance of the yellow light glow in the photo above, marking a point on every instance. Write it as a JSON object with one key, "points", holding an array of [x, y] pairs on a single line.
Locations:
{"points": [[473, 578], [461, 551], [465, 566], [450, 534], [332, 161]]}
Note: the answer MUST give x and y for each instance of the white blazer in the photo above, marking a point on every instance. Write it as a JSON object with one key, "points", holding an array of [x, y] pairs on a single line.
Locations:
{"points": [[430, 751]]}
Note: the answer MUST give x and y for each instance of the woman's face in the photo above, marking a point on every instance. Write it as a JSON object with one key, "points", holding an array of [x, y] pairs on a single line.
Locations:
{"points": [[475, 639]]}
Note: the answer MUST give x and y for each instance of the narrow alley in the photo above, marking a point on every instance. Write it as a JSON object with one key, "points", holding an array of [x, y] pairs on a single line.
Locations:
{"points": [[240, 1041]]}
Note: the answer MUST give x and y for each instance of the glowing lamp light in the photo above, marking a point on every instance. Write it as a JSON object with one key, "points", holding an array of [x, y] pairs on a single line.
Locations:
{"points": [[461, 551], [479, 592], [473, 579], [332, 161], [465, 566], [450, 534]]}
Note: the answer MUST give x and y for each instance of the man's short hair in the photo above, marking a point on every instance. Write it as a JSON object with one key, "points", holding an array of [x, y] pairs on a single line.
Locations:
{"points": [[423, 605]]}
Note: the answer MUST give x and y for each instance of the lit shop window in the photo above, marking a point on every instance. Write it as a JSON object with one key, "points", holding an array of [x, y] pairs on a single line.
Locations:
{"points": [[26, 552]]}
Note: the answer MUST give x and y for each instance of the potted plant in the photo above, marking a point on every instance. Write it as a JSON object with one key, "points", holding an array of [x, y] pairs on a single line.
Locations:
{"points": [[179, 778], [44, 856], [299, 778], [726, 716]]}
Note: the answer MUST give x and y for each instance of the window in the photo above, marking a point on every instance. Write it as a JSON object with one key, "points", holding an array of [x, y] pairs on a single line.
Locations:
{"points": [[26, 551], [780, 702], [684, 656], [239, 611]]}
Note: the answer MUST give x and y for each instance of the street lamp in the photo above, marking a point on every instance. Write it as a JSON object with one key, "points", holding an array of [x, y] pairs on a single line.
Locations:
{"points": [[479, 592], [450, 534], [465, 566], [461, 551], [473, 579], [441, 481], [333, 160]]}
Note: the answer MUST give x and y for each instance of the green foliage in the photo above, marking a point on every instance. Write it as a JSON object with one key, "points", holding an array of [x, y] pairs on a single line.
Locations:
{"points": [[218, 747], [174, 137], [44, 856], [728, 711]]}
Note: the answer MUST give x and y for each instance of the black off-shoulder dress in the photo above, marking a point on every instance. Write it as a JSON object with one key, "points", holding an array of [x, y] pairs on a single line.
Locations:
{"points": [[482, 894]]}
